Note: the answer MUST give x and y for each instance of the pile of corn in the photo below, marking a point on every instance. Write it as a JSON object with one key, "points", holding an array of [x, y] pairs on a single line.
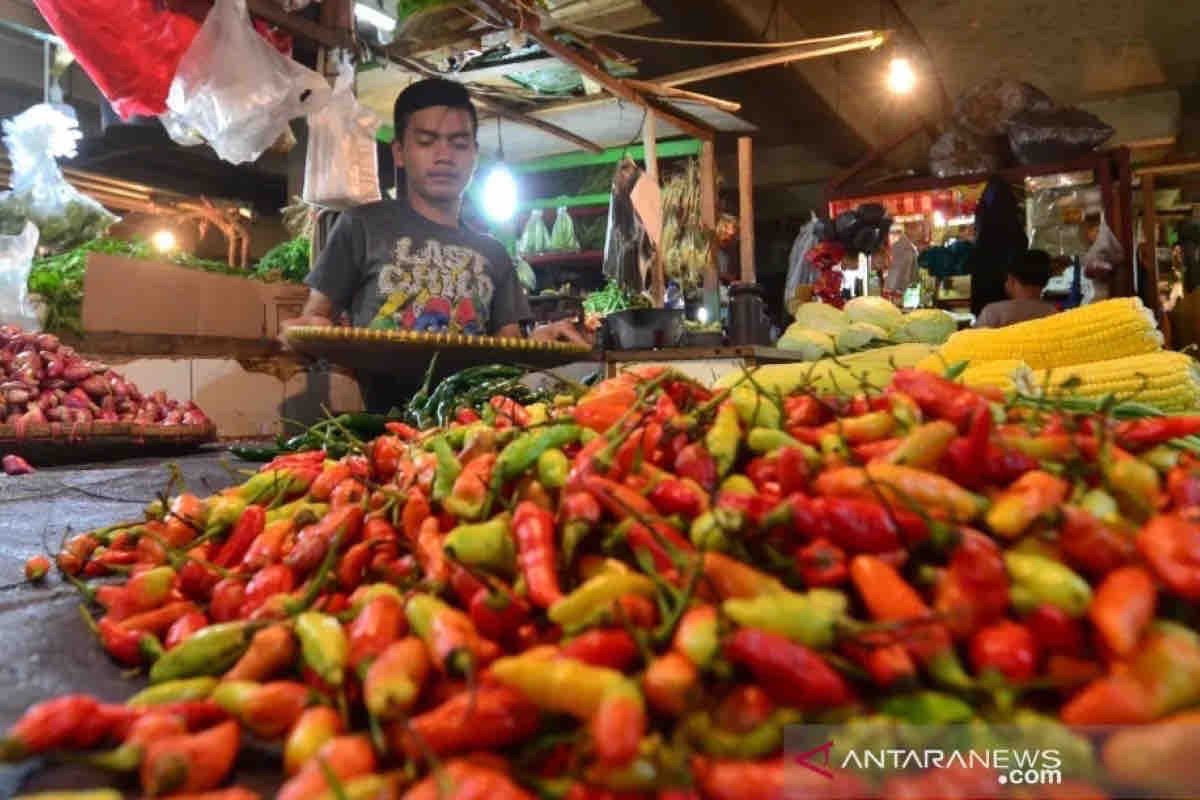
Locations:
{"points": [[1107, 348]]}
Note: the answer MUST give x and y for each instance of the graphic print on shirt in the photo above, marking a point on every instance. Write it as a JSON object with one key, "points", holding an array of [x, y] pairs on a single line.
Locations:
{"points": [[439, 288]]}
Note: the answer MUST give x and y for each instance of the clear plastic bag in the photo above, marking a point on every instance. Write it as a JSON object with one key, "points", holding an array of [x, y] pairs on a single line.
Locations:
{"points": [[801, 271], [236, 90], [986, 108], [64, 217], [1045, 135], [16, 260], [129, 48], [535, 238], [960, 152], [341, 168], [562, 235], [627, 244]]}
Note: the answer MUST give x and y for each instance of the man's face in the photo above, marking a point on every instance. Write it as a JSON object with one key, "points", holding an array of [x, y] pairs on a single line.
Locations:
{"points": [[438, 153]]}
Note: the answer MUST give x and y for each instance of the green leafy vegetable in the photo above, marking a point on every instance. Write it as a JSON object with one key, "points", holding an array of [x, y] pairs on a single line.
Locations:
{"points": [[287, 260]]}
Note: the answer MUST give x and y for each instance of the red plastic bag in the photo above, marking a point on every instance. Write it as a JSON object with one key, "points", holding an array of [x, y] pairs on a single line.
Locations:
{"points": [[129, 48]]}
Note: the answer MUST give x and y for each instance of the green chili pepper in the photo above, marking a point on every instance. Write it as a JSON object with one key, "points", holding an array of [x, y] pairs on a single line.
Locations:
{"points": [[767, 440], [523, 452], [947, 670], [924, 445], [176, 691], [723, 437], [1037, 580], [486, 545], [1163, 457], [796, 616], [225, 510], [297, 509], [323, 645], [448, 469], [597, 594], [708, 534], [760, 742], [754, 409], [257, 454], [927, 708], [208, 651], [739, 484], [552, 468]]}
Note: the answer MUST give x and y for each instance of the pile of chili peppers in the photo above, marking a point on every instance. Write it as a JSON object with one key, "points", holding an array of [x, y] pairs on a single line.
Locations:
{"points": [[633, 595]]}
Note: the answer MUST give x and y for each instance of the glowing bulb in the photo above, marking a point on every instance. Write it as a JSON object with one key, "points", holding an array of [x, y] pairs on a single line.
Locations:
{"points": [[499, 194], [702, 315], [901, 78], [939, 219], [163, 241]]}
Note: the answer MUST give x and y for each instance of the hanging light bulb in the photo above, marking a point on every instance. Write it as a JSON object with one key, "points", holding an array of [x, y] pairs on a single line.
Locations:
{"points": [[499, 187], [164, 241], [901, 78]]}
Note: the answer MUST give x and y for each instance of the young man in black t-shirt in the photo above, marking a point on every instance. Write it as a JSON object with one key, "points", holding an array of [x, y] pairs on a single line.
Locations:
{"points": [[410, 263]]}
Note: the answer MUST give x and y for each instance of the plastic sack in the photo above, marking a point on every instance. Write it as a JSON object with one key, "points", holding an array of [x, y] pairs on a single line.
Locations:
{"points": [[16, 260], [129, 48], [801, 271], [526, 275], [236, 90], [341, 168], [986, 108], [65, 218], [562, 235], [535, 238], [627, 244], [1040, 136], [902, 272], [960, 152]]}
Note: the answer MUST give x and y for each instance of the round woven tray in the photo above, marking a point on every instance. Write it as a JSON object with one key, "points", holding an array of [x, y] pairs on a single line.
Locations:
{"points": [[56, 443]]}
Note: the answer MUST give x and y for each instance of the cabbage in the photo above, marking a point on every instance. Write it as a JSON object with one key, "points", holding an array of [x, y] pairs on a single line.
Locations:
{"points": [[876, 311], [929, 325], [821, 317], [810, 344], [858, 336]]}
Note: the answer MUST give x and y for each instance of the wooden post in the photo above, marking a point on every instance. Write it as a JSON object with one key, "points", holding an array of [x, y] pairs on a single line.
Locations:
{"points": [[658, 281], [708, 218], [1125, 203], [1150, 227], [746, 206]]}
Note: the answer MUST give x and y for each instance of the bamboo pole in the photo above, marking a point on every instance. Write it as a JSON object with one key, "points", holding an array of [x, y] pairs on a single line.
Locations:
{"points": [[870, 40], [746, 206], [708, 218], [658, 281]]}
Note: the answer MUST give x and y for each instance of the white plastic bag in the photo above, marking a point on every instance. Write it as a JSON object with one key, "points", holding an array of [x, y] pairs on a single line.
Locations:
{"points": [[341, 168], [800, 271], [16, 260], [65, 218], [1100, 261], [236, 90]]}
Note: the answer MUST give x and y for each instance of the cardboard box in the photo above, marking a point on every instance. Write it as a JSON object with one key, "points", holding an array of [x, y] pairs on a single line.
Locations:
{"points": [[129, 295]]}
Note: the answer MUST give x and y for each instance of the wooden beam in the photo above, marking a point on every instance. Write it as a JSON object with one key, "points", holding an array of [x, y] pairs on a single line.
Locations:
{"points": [[708, 220], [746, 206], [505, 113], [870, 40], [1181, 168], [613, 85], [300, 26], [658, 281], [657, 90]]}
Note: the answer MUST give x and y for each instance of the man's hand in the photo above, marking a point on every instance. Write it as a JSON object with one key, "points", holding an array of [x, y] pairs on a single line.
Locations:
{"points": [[294, 322], [562, 331]]}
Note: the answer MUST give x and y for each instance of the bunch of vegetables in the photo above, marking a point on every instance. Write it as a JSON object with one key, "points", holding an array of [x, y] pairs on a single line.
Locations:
{"points": [[287, 261], [44, 381], [634, 595], [611, 299], [823, 330]]}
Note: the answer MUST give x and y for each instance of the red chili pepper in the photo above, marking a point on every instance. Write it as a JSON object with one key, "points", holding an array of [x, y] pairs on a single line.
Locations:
{"points": [[416, 511], [324, 484], [157, 621], [385, 455], [350, 492], [314, 540], [603, 647], [673, 496], [227, 599], [1007, 647], [105, 561], [855, 525], [696, 463], [736, 780], [1092, 545], [184, 627], [125, 645], [973, 591], [638, 611], [380, 623], [1183, 486], [793, 470], [271, 580], [1142, 434], [936, 396], [466, 416], [804, 410], [497, 615], [190, 762], [489, 718], [791, 673], [249, 525], [405, 432], [821, 563], [507, 407], [968, 457], [533, 528], [1122, 607], [352, 567], [1055, 631], [49, 725]]}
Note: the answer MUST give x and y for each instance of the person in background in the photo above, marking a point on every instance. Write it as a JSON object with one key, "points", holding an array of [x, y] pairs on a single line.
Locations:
{"points": [[1026, 280], [410, 263], [999, 241]]}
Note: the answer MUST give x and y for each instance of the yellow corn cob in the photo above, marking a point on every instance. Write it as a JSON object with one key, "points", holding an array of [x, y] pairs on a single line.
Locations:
{"points": [[843, 375], [1168, 380], [1108, 329], [1004, 374]]}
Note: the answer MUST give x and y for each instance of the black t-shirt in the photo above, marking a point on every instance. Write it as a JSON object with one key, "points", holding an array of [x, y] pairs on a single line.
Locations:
{"points": [[392, 268]]}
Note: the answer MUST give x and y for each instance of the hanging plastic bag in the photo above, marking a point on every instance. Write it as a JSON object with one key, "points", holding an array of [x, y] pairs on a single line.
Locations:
{"points": [[1100, 261], [341, 167], [627, 244], [16, 260], [801, 272], [535, 238], [129, 48], [562, 235], [526, 275], [40, 194], [236, 90], [1059, 134]]}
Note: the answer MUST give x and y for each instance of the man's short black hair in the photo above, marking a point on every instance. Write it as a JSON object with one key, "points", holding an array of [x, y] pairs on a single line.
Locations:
{"points": [[428, 93], [1032, 269]]}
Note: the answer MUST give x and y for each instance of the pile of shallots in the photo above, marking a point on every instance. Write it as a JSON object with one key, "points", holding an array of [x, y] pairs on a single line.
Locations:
{"points": [[44, 381]]}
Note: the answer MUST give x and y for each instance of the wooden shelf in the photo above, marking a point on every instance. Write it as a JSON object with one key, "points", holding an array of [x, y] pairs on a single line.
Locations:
{"points": [[580, 257]]}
